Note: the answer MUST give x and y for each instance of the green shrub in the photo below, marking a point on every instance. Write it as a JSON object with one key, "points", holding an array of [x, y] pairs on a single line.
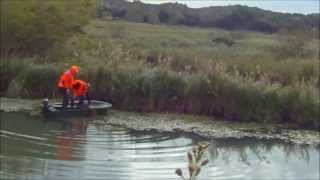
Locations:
{"points": [[10, 67], [34, 27]]}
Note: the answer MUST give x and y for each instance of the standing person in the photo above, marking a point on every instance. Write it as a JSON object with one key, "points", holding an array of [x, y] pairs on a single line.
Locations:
{"points": [[80, 90], [65, 84]]}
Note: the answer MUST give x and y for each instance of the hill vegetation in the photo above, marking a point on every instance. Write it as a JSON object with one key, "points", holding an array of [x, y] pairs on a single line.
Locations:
{"points": [[227, 17]]}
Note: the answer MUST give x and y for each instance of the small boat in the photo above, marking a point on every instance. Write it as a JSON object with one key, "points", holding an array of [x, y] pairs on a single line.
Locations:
{"points": [[56, 109]]}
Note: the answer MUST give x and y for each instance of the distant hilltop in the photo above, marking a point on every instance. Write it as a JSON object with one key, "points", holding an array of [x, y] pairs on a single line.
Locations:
{"points": [[236, 17]]}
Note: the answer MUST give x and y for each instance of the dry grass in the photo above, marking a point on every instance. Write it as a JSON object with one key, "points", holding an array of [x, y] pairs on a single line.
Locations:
{"points": [[145, 67]]}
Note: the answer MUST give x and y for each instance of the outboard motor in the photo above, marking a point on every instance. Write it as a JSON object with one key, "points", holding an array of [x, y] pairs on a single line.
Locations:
{"points": [[45, 104]]}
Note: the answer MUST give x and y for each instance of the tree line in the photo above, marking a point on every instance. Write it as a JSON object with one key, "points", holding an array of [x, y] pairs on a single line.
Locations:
{"points": [[235, 17]]}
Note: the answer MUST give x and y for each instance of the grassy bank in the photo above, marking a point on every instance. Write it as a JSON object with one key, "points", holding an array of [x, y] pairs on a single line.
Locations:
{"points": [[241, 76]]}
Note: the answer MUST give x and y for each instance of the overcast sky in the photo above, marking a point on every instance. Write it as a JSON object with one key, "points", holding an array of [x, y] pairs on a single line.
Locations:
{"points": [[290, 6]]}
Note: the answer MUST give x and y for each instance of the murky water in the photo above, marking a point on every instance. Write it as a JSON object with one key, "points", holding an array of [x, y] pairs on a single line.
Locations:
{"points": [[79, 148]]}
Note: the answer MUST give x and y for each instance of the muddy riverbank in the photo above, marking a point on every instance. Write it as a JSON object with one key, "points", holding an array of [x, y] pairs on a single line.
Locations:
{"points": [[203, 126]]}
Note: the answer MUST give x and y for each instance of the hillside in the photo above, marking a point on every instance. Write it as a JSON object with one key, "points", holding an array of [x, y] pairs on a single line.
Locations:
{"points": [[228, 17]]}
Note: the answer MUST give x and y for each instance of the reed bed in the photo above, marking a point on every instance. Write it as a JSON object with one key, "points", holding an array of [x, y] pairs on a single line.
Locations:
{"points": [[179, 69]]}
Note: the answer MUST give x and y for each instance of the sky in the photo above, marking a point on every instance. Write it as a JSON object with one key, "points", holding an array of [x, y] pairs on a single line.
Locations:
{"points": [[286, 6]]}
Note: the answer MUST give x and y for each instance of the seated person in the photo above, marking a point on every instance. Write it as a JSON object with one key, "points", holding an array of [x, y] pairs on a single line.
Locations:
{"points": [[80, 90]]}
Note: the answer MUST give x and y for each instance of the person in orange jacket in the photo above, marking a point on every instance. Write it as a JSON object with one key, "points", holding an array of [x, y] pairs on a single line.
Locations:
{"points": [[65, 84], [80, 90]]}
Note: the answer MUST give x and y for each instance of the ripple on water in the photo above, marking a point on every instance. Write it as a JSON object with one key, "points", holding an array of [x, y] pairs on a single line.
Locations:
{"points": [[81, 149]]}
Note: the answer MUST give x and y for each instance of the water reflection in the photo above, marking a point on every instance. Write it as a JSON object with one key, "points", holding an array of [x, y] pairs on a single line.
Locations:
{"points": [[248, 157], [258, 148], [81, 148], [67, 140]]}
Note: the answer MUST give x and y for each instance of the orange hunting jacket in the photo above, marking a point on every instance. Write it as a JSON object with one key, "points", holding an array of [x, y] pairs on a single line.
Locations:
{"points": [[66, 80], [82, 90]]}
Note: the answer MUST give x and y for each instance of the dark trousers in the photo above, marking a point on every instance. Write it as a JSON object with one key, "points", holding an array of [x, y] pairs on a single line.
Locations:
{"points": [[65, 98]]}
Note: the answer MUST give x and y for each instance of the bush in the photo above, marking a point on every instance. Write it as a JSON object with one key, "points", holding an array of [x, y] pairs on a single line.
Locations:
{"points": [[223, 40], [10, 68], [34, 27]]}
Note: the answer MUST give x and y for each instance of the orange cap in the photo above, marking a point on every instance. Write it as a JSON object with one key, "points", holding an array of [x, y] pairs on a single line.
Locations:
{"points": [[74, 69]]}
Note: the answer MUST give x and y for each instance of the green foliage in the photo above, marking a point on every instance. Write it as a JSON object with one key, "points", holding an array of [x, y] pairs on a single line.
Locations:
{"points": [[223, 40], [163, 16], [293, 47], [10, 67], [230, 17], [35, 81], [242, 82], [35, 26]]}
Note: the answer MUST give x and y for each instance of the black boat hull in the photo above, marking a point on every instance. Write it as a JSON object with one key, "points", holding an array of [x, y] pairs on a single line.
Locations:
{"points": [[95, 107]]}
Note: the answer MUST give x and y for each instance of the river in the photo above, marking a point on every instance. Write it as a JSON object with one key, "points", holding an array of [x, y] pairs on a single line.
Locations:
{"points": [[83, 148]]}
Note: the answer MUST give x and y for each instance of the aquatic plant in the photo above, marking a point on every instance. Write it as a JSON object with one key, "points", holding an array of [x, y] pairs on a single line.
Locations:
{"points": [[195, 161]]}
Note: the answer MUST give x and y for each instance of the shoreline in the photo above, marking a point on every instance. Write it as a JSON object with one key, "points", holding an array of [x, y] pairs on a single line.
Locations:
{"points": [[207, 127]]}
